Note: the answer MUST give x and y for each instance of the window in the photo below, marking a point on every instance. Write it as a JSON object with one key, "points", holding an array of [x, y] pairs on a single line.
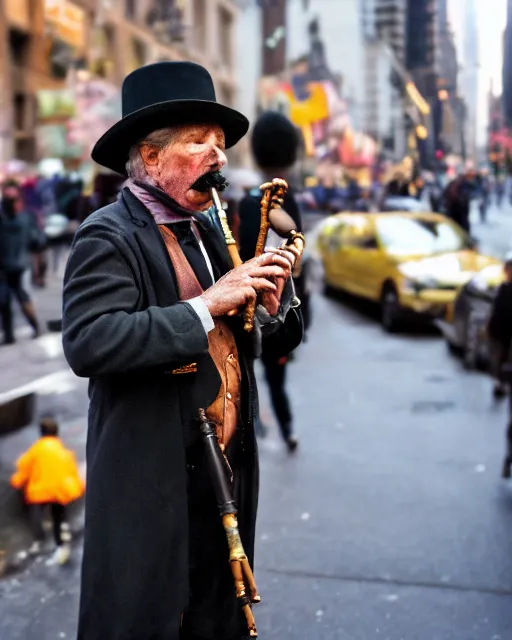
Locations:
{"points": [[20, 110], [102, 51], [419, 236], [18, 46], [199, 22], [138, 55], [226, 37], [25, 149], [130, 9]]}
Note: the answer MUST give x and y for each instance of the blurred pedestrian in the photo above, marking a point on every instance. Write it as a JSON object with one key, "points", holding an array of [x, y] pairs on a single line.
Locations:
{"points": [[500, 337], [500, 191], [500, 329], [484, 190], [48, 476], [275, 145], [18, 233], [458, 195]]}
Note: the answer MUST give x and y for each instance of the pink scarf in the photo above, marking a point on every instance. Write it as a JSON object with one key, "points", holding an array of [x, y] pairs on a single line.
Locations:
{"points": [[161, 214]]}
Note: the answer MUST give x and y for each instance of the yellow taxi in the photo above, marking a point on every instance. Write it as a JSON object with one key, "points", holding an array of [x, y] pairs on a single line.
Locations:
{"points": [[407, 262]]}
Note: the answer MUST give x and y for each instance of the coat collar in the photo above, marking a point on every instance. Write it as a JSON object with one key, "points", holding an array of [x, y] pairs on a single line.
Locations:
{"points": [[147, 232]]}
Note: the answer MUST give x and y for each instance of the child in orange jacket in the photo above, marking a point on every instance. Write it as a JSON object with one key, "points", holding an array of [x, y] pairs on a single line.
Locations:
{"points": [[49, 476]]}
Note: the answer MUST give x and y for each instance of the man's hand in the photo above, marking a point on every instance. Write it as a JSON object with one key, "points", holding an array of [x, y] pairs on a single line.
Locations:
{"points": [[242, 284], [271, 300]]}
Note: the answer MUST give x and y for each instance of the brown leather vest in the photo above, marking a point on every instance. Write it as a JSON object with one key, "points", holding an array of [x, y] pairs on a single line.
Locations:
{"points": [[221, 343]]}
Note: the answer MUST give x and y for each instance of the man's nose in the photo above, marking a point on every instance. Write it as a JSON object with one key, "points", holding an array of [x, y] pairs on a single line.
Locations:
{"points": [[221, 157]]}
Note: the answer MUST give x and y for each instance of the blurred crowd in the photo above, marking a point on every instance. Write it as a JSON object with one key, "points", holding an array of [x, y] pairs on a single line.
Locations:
{"points": [[39, 214]]}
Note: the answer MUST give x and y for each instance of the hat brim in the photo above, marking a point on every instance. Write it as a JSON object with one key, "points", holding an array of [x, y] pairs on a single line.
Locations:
{"points": [[112, 149]]}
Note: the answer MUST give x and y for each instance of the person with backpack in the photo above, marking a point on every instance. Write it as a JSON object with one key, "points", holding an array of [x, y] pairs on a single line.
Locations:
{"points": [[275, 145]]}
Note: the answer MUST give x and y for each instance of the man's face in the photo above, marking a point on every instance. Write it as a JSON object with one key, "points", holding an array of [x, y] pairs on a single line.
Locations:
{"points": [[196, 150]]}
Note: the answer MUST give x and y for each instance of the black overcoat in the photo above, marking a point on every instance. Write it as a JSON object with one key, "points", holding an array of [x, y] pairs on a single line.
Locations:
{"points": [[125, 329]]}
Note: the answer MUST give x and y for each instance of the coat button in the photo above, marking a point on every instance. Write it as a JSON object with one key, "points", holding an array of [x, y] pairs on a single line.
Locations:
{"points": [[190, 467]]}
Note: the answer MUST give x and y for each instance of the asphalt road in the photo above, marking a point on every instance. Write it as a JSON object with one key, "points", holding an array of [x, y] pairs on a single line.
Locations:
{"points": [[390, 522]]}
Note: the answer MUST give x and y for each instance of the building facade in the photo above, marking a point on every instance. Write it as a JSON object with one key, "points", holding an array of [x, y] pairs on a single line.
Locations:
{"points": [[507, 67], [449, 106], [469, 74], [45, 41]]}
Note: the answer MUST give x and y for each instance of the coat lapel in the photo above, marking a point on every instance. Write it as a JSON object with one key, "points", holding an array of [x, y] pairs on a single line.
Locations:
{"points": [[145, 234]]}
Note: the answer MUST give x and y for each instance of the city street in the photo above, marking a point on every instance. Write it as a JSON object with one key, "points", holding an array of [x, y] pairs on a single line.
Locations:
{"points": [[390, 521]]}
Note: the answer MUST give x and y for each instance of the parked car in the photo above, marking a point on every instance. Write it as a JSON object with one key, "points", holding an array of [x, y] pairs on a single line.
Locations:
{"points": [[465, 329], [409, 263]]}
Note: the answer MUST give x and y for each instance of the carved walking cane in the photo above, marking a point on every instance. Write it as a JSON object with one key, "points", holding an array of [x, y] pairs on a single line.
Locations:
{"points": [[273, 196]]}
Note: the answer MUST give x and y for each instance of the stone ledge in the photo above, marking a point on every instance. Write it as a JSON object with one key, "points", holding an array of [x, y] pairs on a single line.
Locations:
{"points": [[17, 413]]}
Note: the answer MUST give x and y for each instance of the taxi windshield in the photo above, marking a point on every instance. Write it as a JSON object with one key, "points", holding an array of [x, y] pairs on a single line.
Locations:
{"points": [[417, 236]]}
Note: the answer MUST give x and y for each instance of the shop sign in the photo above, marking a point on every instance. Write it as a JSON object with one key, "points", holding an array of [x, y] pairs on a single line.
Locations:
{"points": [[55, 104], [67, 21]]}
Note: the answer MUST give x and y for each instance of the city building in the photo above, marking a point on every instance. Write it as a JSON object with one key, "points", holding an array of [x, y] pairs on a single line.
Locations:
{"points": [[390, 24], [45, 41], [383, 27], [450, 110], [507, 67], [469, 72]]}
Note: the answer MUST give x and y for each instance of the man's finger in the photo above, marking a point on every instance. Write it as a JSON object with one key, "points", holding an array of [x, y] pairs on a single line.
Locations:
{"points": [[274, 257], [261, 284], [283, 253], [269, 272]]}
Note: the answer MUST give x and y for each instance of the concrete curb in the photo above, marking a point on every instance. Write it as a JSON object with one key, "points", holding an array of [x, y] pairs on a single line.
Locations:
{"points": [[17, 412]]}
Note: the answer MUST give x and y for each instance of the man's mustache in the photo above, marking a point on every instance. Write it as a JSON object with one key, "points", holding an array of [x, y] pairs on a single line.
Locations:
{"points": [[211, 179]]}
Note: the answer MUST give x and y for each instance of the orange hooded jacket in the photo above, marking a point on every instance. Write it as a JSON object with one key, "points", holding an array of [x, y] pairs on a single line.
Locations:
{"points": [[48, 472]]}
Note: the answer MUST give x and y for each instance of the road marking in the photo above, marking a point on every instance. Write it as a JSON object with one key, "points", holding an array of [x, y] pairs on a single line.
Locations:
{"points": [[59, 382]]}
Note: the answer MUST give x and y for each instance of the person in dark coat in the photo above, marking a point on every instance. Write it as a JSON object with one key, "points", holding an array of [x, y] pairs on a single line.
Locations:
{"points": [[500, 328], [18, 233], [500, 333], [150, 300], [275, 145], [458, 195]]}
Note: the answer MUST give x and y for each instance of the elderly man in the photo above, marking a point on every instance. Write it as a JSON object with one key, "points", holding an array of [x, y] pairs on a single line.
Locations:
{"points": [[150, 316]]}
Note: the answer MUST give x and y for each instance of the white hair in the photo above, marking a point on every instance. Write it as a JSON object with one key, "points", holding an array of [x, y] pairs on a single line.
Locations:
{"points": [[160, 139]]}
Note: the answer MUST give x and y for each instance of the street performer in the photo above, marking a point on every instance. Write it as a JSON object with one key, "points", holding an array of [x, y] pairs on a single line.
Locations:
{"points": [[153, 314]]}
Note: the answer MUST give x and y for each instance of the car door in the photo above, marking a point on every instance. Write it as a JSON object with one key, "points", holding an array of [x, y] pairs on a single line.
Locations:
{"points": [[363, 257], [332, 254]]}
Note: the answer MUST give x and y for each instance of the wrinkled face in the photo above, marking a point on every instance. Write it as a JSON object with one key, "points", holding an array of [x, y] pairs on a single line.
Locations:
{"points": [[195, 151]]}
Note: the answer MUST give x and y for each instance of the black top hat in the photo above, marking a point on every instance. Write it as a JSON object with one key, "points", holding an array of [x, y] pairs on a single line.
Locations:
{"points": [[163, 95]]}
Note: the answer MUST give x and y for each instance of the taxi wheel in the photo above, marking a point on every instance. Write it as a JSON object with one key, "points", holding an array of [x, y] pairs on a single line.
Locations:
{"points": [[390, 310]]}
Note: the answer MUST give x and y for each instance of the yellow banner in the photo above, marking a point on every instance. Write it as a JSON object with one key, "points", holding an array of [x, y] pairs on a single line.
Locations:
{"points": [[68, 21]]}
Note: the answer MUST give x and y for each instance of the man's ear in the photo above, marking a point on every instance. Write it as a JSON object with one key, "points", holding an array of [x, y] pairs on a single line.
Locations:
{"points": [[149, 155]]}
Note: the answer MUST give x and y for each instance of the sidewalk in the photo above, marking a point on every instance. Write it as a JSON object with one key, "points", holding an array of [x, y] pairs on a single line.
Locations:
{"points": [[35, 372]]}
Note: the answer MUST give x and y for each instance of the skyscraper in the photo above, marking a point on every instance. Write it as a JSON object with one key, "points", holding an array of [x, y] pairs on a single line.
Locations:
{"points": [[469, 74], [507, 68]]}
